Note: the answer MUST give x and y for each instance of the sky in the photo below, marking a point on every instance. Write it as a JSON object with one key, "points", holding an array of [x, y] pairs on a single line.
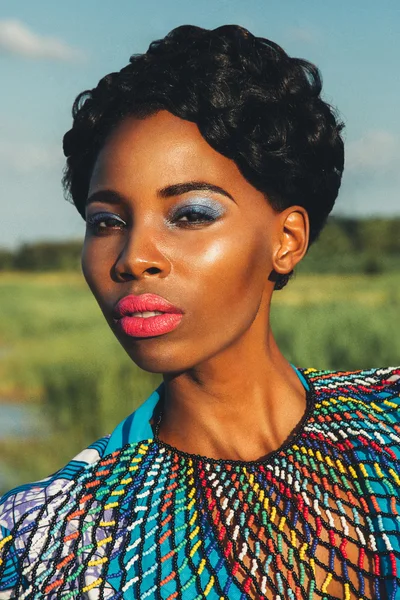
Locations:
{"points": [[51, 51]]}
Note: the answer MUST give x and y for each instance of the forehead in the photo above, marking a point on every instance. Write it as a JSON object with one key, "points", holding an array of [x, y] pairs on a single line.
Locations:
{"points": [[160, 150]]}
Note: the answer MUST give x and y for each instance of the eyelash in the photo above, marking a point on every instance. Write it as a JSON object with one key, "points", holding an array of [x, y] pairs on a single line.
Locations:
{"points": [[94, 222], [208, 215]]}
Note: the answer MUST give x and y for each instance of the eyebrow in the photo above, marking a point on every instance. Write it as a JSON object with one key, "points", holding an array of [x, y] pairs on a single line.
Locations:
{"points": [[192, 186], [176, 189]]}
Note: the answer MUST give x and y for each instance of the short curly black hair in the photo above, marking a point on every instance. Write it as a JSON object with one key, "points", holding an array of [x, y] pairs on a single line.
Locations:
{"points": [[251, 101]]}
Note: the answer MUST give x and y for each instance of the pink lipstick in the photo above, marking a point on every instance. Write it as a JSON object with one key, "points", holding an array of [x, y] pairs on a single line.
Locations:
{"points": [[132, 315]]}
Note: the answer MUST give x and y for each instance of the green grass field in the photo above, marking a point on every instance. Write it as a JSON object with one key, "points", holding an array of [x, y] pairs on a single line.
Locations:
{"points": [[56, 350]]}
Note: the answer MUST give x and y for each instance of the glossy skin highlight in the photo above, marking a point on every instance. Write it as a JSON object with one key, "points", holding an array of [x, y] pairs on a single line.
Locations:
{"points": [[153, 180]]}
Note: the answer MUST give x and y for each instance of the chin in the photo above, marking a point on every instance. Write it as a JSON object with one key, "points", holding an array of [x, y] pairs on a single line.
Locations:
{"points": [[148, 354]]}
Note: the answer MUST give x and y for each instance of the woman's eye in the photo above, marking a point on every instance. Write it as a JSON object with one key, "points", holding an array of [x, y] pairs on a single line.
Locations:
{"points": [[196, 214], [102, 222]]}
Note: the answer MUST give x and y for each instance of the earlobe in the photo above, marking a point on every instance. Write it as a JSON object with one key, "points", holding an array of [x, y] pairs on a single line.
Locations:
{"points": [[279, 279], [293, 238]]}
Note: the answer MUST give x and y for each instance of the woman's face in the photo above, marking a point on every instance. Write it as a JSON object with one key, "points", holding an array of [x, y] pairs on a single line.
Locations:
{"points": [[168, 215]]}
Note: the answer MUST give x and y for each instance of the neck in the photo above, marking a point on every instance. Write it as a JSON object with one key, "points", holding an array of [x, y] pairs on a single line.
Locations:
{"points": [[241, 405]]}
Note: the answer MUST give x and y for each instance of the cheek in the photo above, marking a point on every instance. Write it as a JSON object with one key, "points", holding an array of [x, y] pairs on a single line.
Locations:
{"points": [[95, 268], [232, 271]]}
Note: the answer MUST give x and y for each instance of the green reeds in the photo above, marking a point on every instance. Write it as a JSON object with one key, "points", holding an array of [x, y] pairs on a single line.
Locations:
{"points": [[57, 351]]}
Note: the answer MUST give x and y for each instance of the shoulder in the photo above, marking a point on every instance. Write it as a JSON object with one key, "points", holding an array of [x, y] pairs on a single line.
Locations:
{"points": [[26, 500], [360, 405], [376, 384], [25, 507], [36, 520]]}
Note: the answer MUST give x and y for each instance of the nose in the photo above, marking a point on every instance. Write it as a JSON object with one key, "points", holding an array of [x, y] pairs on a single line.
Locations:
{"points": [[141, 255]]}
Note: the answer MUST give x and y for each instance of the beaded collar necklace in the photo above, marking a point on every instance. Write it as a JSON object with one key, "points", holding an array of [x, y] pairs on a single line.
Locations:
{"points": [[293, 436], [316, 518]]}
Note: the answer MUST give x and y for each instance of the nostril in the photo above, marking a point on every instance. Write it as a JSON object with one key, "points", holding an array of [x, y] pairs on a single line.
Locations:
{"points": [[126, 276], [136, 268]]}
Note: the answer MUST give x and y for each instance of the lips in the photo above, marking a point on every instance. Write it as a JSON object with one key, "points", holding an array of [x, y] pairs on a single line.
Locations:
{"points": [[146, 326], [143, 303]]}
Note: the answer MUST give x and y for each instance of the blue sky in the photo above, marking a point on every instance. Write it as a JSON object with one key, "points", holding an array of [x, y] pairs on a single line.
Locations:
{"points": [[50, 51]]}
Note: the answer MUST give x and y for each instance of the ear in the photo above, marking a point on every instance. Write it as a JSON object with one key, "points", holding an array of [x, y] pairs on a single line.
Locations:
{"points": [[293, 229]]}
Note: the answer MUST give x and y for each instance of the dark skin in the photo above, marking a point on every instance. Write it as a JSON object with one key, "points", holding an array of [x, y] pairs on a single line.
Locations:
{"points": [[229, 391]]}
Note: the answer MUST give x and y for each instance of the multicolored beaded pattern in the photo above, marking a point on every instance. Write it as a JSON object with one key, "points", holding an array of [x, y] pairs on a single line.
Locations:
{"points": [[317, 519]]}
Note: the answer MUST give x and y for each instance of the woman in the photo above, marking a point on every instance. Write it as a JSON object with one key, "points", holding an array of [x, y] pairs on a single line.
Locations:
{"points": [[204, 170]]}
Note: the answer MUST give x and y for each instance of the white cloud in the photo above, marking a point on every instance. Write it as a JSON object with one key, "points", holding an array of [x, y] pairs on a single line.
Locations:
{"points": [[378, 151], [371, 181], [17, 38], [306, 35], [29, 157]]}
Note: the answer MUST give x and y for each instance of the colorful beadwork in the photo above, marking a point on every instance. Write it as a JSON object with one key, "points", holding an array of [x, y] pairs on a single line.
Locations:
{"points": [[319, 518]]}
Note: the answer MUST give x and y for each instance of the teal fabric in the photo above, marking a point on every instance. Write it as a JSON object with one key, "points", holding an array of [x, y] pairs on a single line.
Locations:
{"points": [[136, 428], [27, 501]]}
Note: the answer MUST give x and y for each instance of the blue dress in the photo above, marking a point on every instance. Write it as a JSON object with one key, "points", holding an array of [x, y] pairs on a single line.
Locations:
{"points": [[132, 517]]}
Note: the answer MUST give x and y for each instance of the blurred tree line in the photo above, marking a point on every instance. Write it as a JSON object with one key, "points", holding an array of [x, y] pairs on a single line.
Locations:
{"points": [[42, 256], [344, 246], [355, 246]]}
